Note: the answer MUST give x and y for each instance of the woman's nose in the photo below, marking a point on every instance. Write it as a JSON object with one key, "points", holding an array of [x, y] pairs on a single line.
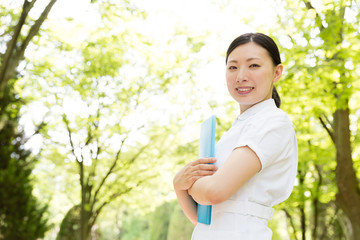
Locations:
{"points": [[241, 76]]}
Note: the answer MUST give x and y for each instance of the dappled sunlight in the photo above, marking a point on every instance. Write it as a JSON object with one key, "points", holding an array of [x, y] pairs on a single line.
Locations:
{"points": [[102, 105]]}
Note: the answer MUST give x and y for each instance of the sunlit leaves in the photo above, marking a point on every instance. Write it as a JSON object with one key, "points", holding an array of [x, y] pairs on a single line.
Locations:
{"points": [[319, 78], [108, 91]]}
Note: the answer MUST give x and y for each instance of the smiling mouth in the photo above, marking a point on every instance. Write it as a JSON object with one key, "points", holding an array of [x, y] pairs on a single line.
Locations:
{"points": [[244, 89]]}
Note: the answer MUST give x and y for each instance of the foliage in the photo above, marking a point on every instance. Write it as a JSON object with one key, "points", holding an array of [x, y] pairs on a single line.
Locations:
{"points": [[318, 90], [167, 222], [117, 101], [179, 227], [159, 223], [107, 150], [69, 227], [22, 216], [134, 227]]}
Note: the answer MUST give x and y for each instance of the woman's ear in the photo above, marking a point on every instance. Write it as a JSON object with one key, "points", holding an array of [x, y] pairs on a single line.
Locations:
{"points": [[278, 72]]}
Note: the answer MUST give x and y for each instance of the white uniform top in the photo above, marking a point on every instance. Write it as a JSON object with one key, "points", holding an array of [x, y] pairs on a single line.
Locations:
{"points": [[268, 131]]}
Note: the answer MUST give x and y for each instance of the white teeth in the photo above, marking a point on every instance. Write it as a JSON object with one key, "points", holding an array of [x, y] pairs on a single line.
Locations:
{"points": [[244, 89]]}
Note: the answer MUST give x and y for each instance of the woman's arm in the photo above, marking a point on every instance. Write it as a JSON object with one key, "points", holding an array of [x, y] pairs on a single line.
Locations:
{"points": [[241, 165], [185, 178], [187, 204]]}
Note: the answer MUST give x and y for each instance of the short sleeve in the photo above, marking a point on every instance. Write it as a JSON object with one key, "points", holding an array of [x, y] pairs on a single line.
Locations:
{"points": [[268, 138]]}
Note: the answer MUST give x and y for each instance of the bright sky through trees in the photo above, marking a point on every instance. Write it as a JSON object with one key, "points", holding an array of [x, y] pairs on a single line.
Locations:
{"points": [[161, 63], [224, 20], [221, 20]]}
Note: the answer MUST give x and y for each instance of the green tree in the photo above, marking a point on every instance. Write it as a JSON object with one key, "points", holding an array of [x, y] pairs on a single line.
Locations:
{"points": [[159, 221], [179, 226], [134, 226], [21, 214], [114, 77], [320, 42]]}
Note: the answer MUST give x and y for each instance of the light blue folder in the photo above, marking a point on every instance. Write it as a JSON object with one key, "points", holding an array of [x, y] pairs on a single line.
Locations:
{"points": [[206, 149]]}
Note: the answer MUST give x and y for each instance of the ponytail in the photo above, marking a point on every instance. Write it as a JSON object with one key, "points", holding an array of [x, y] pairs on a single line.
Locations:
{"points": [[276, 97]]}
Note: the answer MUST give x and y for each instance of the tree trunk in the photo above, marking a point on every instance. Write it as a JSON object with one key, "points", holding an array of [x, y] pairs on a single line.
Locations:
{"points": [[292, 224], [302, 208], [15, 48], [315, 203], [348, 196]]}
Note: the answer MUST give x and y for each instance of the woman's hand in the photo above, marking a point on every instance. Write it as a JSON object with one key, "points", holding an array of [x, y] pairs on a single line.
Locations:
{"points": [[192, 171], [242, 164]]}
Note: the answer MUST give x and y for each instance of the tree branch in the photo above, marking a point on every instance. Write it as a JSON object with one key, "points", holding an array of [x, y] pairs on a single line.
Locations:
{"points": [[11, 46], [109, 171], [35, 28], [114, 196], [96, 139], [328, 130], [288, 216], [315, 202], [309, 6], [92, 172], [331, 223], [111, 198]]}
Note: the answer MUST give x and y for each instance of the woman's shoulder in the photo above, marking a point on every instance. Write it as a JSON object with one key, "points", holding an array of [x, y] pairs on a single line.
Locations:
{"points": [[272, 116]]}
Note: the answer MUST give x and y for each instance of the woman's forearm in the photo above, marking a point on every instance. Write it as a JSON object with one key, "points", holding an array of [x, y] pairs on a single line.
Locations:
{"points": [[187, 204], [185, 178], [201, 191], [241, 165]]}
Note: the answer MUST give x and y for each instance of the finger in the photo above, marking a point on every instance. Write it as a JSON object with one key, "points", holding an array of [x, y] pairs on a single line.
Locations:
{"points": [[204, 161], [209, 167], [201, 170], [202, 173], [206, 173], [194, 179]]}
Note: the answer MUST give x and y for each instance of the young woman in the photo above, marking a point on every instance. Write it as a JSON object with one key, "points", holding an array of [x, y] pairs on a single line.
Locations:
{"points": [[255, 160]]}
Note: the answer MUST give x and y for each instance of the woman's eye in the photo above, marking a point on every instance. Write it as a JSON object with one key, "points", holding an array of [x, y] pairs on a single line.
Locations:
{"points": [[232, 67], [254, 65]]}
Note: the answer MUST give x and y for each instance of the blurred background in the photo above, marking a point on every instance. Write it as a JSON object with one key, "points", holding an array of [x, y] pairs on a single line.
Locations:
{"points": [[101, 103]]}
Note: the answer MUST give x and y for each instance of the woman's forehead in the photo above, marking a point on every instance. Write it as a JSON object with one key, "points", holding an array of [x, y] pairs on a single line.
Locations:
{"points": [[247, 52]]}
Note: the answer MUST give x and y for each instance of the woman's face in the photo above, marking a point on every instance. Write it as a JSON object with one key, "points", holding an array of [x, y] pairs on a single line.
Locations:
{"points": [[250, 74]]}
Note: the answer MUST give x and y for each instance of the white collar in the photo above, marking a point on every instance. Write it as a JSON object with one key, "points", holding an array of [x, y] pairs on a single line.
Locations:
{"points": [[255, 109]]}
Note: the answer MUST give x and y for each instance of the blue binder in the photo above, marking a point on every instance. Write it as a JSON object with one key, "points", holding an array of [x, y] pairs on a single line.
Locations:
{"points": [[206, 149]]}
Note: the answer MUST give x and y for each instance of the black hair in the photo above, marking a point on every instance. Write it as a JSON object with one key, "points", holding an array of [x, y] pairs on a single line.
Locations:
{"points": [[265, 42]]}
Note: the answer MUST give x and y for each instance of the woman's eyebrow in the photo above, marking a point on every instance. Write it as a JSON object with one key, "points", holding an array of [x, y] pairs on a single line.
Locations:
{"points": [[247, 60], [252, 58], [232, 61]]}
